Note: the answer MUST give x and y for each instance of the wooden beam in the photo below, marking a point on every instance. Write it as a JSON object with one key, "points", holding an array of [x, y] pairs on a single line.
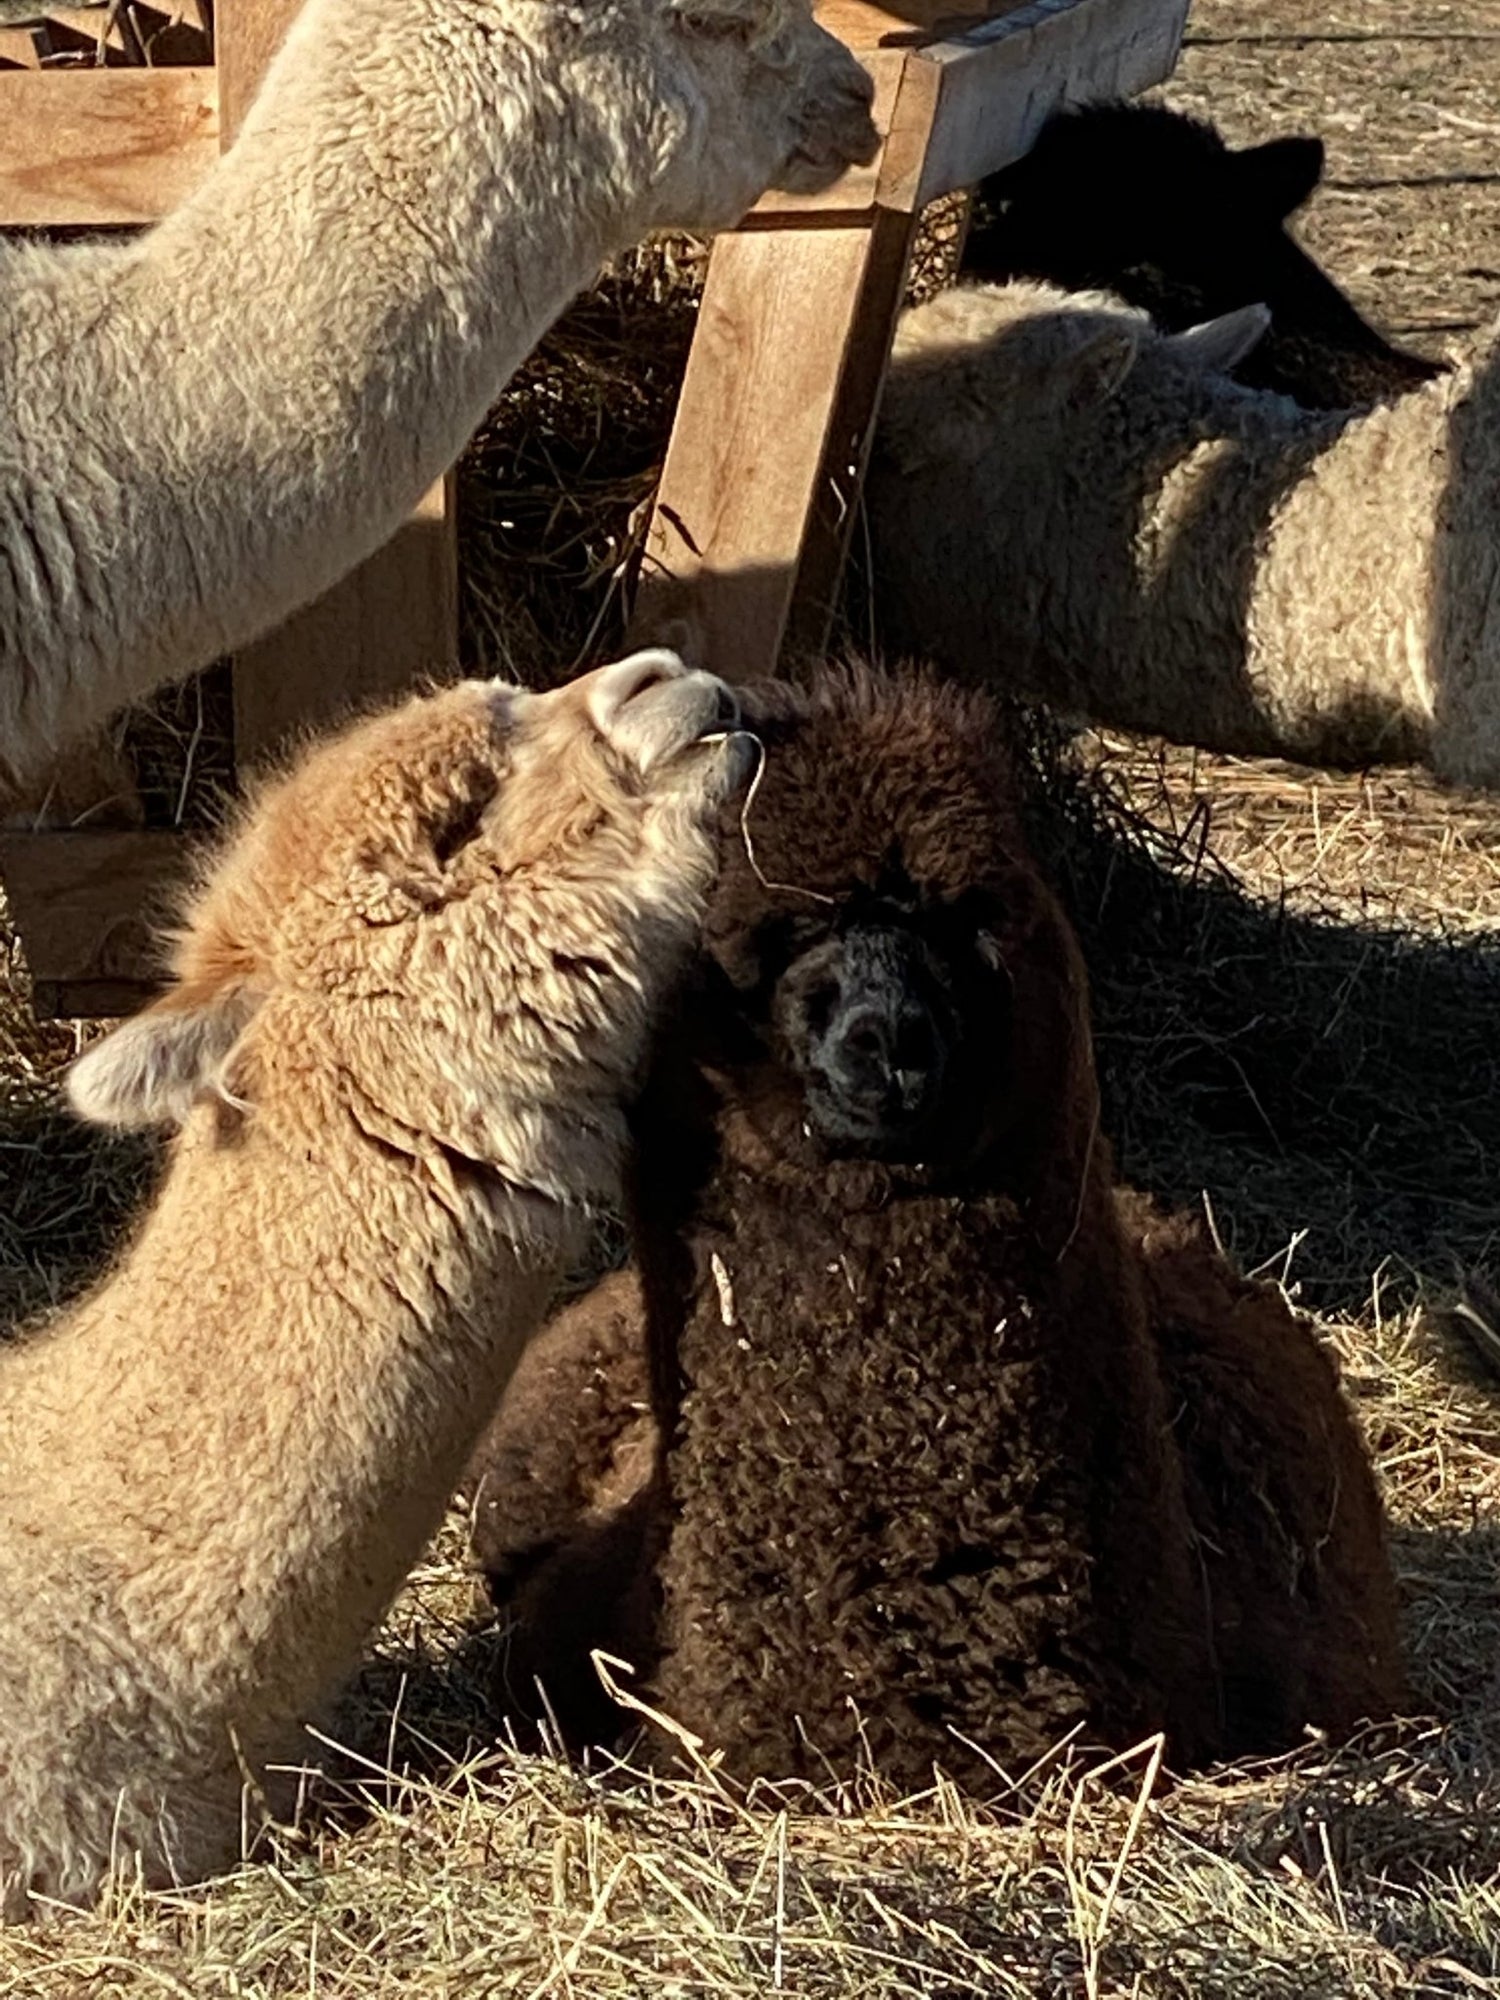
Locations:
{"points": [[21, 48], [247, 34], [90, 908], [110, 147], [999, 83], [754, 428]]}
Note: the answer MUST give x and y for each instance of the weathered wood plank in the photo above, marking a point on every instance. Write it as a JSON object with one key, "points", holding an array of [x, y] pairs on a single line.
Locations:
{"points": [[21, 48], [89, 907], [248, 33], [753, 427], [115, 146], [1003, 80], [851, 432]]}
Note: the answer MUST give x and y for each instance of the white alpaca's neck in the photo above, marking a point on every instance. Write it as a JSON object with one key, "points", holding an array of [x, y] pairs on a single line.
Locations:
{"points": [[222, 418]]}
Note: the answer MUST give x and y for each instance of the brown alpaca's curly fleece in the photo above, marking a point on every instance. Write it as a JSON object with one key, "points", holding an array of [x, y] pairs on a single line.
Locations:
{"points": [[960, 1456]]}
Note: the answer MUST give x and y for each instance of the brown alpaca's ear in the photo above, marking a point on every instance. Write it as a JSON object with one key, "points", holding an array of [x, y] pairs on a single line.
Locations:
{"points": [[155, 1068]]}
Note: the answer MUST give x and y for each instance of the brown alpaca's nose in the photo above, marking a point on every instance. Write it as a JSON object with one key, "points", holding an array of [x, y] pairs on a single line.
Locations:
{"points": [[874, 1039]]}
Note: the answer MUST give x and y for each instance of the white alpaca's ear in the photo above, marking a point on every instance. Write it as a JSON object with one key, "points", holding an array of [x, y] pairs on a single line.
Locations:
{"points": [[1221, 344], [155, 1068]]}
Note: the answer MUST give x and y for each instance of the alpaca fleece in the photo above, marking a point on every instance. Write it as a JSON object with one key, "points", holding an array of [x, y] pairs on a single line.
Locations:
{"points": [[418, 190], [409, 1003], [1146, 202], [954, 1456], [1070, 505]]}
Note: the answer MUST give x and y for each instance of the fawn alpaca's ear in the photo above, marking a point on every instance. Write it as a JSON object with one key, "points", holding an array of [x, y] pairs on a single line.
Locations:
{"points": [[155, 1068]]}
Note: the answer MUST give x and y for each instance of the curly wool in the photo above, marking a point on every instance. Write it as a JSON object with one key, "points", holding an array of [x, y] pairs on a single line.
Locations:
{"points": [[1070, 506]]}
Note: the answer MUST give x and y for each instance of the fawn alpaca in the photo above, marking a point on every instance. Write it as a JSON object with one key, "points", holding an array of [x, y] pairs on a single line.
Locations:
{"points": [[409, 1002]]}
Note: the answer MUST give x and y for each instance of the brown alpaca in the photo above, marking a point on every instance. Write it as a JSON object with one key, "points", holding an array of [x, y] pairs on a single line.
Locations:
{"points": [[963, 1449], [409, 1002]]}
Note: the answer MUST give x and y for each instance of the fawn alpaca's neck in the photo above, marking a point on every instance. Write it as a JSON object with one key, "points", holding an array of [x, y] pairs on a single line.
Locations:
{"points": [[280, 1388]]}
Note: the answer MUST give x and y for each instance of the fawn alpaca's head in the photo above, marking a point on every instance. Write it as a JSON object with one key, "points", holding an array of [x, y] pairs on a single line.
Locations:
{"points": [[475, 897]]}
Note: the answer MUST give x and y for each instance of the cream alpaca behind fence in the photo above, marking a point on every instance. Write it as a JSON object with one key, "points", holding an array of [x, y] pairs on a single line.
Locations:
{"points": [[1071, 505], [409, 1003], [205, 427]]}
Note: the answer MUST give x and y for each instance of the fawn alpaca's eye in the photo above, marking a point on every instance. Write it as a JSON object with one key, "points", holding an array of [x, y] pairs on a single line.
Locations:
{"points": [[456, 826]]}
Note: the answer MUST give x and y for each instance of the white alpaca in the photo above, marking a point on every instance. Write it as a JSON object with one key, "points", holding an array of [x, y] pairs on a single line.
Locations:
{"points": [[408, 1006], [1073, 506], [419, 189]]}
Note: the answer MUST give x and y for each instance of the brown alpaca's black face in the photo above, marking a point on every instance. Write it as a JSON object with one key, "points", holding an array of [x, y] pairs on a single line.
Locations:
{"points": [[897, 1026]]}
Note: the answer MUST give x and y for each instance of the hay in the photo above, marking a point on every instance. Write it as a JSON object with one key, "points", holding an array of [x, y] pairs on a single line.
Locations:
{"points": [[1295, 977]]}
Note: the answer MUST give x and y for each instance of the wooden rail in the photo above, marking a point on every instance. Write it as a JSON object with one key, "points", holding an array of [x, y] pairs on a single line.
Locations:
{"points": [[105, 146]]}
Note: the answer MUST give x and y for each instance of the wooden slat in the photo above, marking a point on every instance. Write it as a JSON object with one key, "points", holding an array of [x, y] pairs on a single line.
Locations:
{"points": [[851, 432], [247, 34], [1000, 83], [757, 497], [116, 146], [89, 906], [389, 625], [748, 447], [21, 48]]}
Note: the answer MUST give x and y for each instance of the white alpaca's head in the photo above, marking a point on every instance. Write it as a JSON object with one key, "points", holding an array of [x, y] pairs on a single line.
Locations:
{"points": [[759, 96], [469, 901]]}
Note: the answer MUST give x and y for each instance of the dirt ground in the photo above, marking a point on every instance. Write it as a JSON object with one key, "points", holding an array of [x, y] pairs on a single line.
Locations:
{"points": [[1297, 989]]}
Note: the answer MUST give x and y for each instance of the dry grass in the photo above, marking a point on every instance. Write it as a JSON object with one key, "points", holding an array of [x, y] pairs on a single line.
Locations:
{"points": [[1296, 977]]}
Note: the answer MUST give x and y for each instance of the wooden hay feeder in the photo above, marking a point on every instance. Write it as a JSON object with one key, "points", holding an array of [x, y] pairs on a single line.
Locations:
{"points": [[109, 115]]}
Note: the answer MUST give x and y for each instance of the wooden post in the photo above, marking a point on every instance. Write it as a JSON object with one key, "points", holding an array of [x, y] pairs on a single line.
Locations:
{"points": [[762, 478], [247, 33]]}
